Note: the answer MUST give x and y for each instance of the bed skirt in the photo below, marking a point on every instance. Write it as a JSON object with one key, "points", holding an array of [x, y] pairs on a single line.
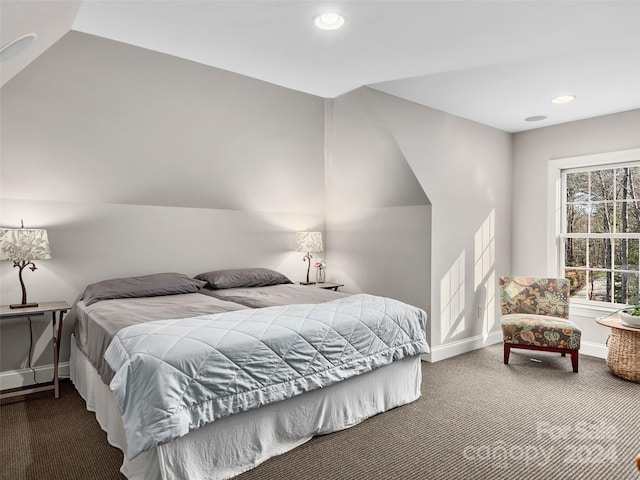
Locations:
{"points": [[232, 445]]}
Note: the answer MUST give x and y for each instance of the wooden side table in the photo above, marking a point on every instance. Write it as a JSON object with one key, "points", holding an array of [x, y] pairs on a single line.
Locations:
{"points": [[57, 310], [623, 355], [325, 285]]}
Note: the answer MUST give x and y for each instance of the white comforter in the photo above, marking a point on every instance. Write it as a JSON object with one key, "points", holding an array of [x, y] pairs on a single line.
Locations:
{"points": [[173, 376]]}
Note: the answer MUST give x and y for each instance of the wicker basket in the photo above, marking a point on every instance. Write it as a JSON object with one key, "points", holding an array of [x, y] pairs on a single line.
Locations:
{"points": [[623, 358]]}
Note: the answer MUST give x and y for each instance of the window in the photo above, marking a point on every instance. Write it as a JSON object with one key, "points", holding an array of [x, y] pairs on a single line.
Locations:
{"points": [[600, 232]]}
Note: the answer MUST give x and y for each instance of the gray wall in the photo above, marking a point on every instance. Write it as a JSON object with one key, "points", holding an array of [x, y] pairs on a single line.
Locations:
{"points": [[138, 162], [94, 120], [532, 152], [429, 218]]}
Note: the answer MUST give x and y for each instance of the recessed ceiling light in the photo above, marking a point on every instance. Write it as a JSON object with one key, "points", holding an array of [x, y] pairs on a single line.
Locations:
{"points": [[329, 21], [16, 47], [563, 99], [535, 118]]}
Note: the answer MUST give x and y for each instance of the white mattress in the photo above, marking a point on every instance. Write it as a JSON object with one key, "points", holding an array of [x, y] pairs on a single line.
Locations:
{"points": [[232, 445]]}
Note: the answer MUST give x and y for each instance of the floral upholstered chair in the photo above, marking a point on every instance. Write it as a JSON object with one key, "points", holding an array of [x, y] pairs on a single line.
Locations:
{"points": [[535, 316]]}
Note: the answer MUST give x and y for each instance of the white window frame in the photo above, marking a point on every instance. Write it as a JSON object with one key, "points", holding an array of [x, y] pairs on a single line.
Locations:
{"points": [[555, 265]]}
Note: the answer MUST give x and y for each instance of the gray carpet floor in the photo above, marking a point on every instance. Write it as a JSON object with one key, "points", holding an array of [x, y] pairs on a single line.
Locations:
{"points": [[476, 419]]}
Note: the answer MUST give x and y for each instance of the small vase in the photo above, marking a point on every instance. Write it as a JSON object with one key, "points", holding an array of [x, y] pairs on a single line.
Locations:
{"points": [[320, 275]]}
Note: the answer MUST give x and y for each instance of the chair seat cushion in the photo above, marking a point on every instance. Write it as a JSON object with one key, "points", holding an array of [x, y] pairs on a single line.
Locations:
{"points": [[540, 330]]}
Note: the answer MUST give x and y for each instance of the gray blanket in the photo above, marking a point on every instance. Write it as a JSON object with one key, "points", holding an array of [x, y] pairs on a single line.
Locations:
{"points": [[95, 325], [273, 295], [173, 376]]}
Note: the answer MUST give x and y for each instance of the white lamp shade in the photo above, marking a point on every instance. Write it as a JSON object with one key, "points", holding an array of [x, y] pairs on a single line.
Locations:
{"points": [[310, 242], [24, 244]]}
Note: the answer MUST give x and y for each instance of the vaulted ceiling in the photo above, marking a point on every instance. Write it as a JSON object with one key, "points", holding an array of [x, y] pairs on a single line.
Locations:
{"points": [[494, 62]]}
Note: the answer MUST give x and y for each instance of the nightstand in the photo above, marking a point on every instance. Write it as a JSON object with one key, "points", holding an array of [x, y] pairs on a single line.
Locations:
{"points": [[325, 285], [57, 310]]}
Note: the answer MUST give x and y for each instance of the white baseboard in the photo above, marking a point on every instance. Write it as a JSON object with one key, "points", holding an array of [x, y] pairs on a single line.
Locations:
{"points": [[593, 349], [24, 377], [469, 344], [458, 347]]}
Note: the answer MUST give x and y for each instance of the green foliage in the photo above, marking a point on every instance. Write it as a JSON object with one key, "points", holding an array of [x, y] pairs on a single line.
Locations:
{"points": [[633, 309]]}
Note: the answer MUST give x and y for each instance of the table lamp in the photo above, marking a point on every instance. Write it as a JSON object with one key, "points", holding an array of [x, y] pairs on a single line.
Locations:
{"points": [[22, 246], [308, 242]]}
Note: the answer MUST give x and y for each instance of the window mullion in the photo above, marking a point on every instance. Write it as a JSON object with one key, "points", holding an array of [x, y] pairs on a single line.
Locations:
{"points": [[628, 236], [612, 243]]}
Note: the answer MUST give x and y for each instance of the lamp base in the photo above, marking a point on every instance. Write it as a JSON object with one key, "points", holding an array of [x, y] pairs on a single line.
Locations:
{"points": [[23, 305], [307, 283]]}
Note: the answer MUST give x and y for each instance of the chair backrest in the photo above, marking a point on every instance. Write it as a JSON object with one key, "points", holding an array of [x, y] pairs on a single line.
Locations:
{"points": [[538, 296]]}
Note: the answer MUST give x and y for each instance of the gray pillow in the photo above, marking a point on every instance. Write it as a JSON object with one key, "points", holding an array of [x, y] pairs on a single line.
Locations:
{"points": [[242, 277], [154, 285]]}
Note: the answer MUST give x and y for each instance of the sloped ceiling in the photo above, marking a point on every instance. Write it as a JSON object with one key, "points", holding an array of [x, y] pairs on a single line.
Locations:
{"points": [[496, 63], [48, 20]]}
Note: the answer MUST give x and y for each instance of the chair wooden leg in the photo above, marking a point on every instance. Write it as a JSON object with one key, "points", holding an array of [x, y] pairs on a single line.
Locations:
{"points": [[507, 351], [574, 360]]}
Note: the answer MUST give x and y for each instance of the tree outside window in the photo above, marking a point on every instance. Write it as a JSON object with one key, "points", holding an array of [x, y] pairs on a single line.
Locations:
{"points": [[601, 232]]}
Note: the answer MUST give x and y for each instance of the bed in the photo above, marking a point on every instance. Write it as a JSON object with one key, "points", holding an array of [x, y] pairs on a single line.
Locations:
{"points": [[222, 436], [261, 287], [258, 297]]}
